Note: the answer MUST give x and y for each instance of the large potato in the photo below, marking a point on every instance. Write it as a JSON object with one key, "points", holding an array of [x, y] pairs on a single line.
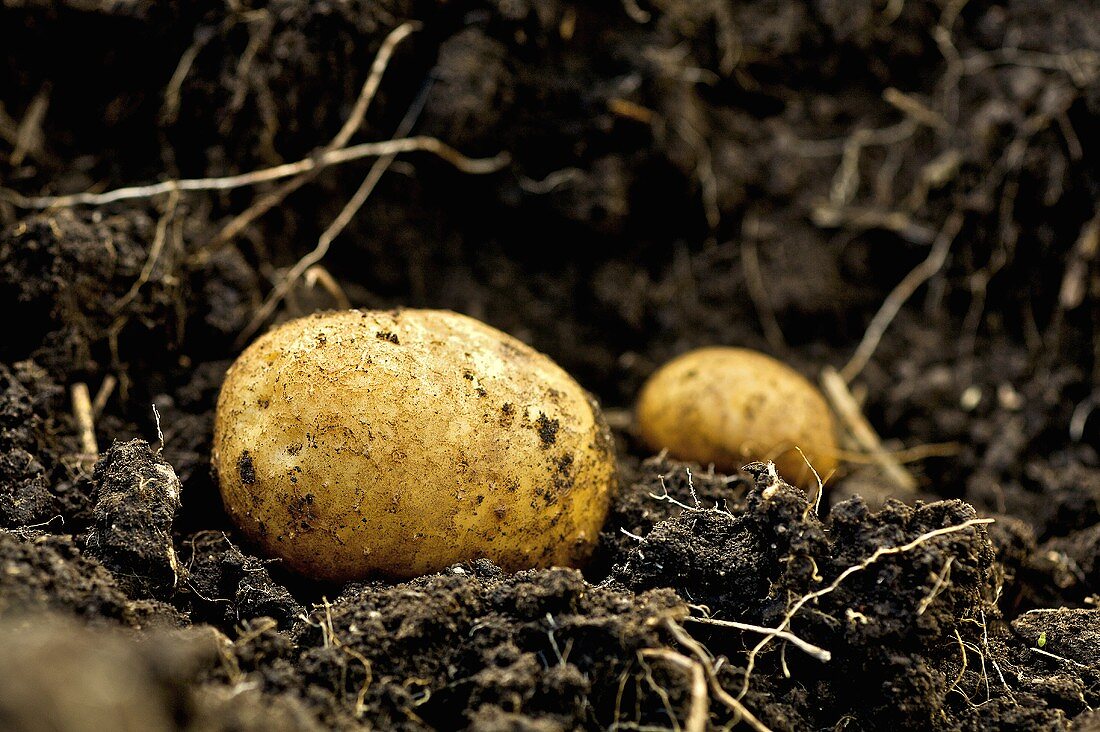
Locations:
{"points": [[396, 443], [731, 406]]}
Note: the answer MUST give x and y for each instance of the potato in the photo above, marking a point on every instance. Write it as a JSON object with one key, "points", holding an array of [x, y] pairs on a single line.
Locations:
{"points": [[365, 443], [731, 406]]}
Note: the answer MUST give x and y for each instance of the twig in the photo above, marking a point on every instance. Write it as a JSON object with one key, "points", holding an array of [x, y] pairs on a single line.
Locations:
{"points": [[473, 166], [900, 294], [809, 648], [845, 407], [85, 422], [700, 704], [993, 658]]}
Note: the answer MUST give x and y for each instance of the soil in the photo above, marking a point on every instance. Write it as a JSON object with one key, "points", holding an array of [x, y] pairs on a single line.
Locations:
{"points": [[679, 174]]}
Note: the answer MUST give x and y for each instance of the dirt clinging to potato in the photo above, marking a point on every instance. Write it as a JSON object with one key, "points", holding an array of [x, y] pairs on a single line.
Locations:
{"points": [[757, 174]]}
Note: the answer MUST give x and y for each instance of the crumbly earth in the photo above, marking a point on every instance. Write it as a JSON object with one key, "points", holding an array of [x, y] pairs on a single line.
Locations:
{"points": [[680, 174]]}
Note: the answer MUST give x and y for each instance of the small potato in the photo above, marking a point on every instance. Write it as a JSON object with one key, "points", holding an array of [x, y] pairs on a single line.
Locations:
{"points": [[731, 406], [362, 443]]}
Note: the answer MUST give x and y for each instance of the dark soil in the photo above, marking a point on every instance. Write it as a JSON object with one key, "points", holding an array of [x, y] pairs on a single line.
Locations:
{"points": [[680, 174]]}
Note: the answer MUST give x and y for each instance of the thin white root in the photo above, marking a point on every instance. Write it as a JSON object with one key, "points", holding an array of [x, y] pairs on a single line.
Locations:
{"points": [[901, 294], [318, 275], [159, 238], [700, 703], [832, 586], [354, 121], [105, 390], [809, 648], [733, 704], [472, 166], [758, 291], [318, 253]]}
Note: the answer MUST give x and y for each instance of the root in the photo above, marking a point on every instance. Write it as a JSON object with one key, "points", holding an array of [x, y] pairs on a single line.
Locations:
{"points": [[758, 289], [808, 648], [318, 275], [820, 486], [864, 218], [911, 107], [171, 109], [9, 128], [905, 455], [329, 639], [1068, 661], [368, 669], [943, 580], [983, 677], [27, 531], [1074, 286], [831, 587], [472, 166], [29, 138], [668, 497], [847, 409], [954, 687], [846, 179], [366, 95], [310, 261], [260, 25], [900, 295], [700, 703], [989, 651], [104, 394], [662, 692], [318, 253], [85, 423], [635, 12], [155, 250], [337, 152], [735, 705], [160, 433]]}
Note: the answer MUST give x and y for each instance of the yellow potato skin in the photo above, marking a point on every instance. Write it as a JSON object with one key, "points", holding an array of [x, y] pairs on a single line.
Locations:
{"points": [[395, 443], [731, 406]]}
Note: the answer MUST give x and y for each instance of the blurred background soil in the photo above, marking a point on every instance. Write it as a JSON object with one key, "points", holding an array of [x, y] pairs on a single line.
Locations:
{"points": [[903, 191]]}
